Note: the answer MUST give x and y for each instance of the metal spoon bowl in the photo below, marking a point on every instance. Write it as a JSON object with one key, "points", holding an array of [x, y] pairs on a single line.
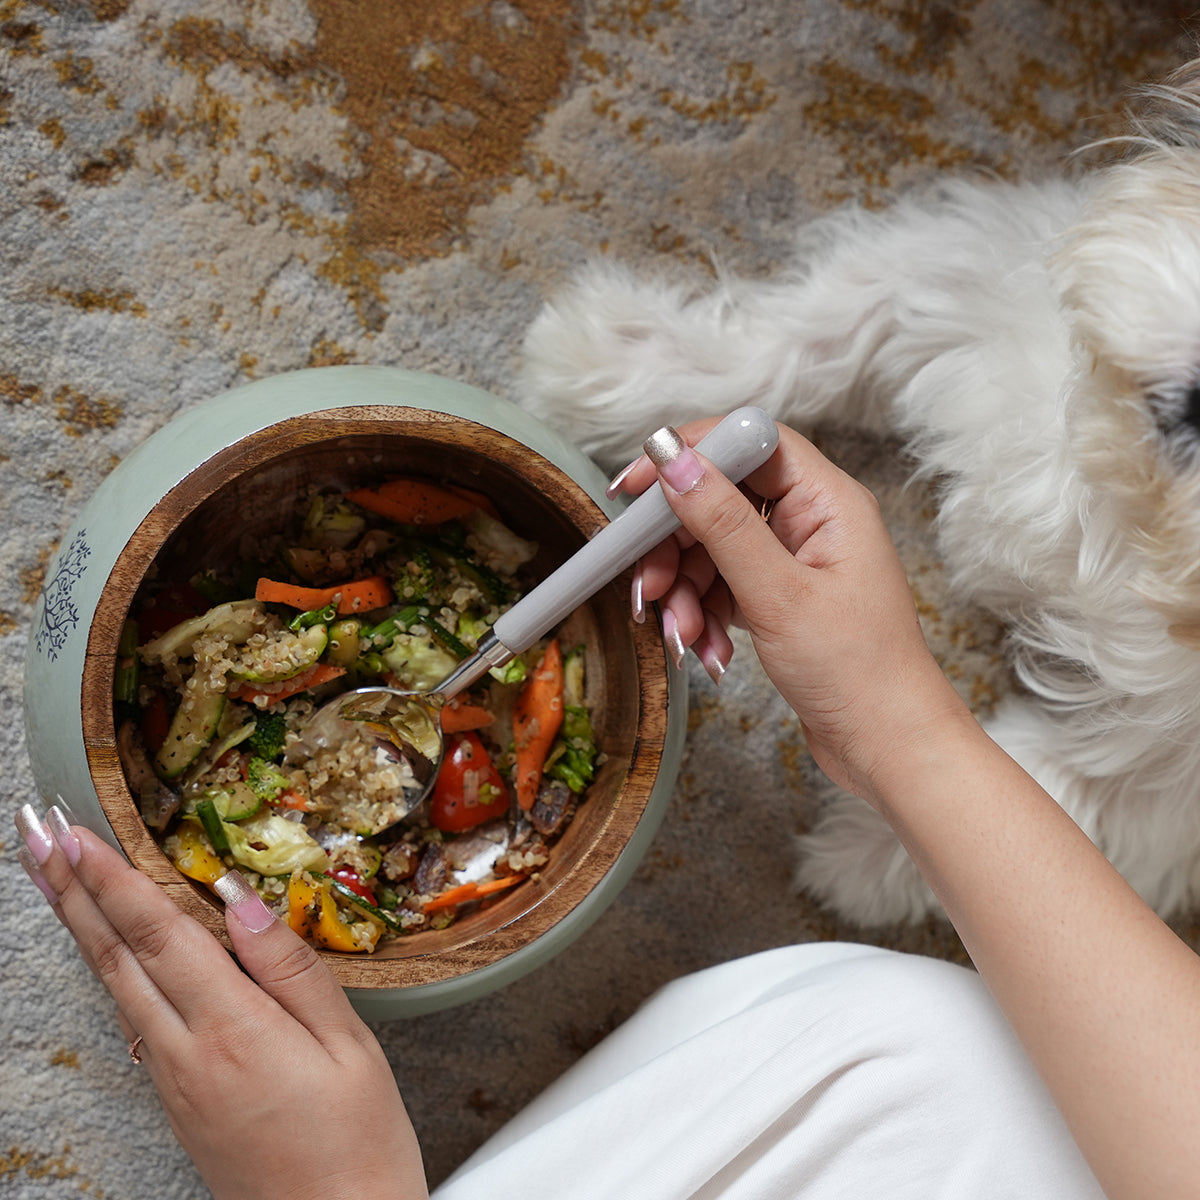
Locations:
{"points": [[408, 724]]}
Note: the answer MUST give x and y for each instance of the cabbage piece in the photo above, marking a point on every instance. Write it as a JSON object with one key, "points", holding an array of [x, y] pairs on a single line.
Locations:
{"points": [[496, 544], [273, 845], [419, 663], [237, 620]]}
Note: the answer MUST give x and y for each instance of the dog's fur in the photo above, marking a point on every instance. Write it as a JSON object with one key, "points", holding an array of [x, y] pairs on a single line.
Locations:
{"points": [[1039, 348]]}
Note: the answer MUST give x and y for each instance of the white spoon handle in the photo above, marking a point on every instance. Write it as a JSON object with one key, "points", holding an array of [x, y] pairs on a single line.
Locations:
{"points": [[742, 441]]}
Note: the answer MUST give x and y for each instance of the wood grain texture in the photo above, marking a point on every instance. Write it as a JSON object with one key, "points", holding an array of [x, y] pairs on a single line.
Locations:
{"points": [[248, 490]]}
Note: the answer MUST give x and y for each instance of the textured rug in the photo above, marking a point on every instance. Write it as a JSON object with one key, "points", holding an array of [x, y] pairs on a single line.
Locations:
{"points": [[199, 193]]}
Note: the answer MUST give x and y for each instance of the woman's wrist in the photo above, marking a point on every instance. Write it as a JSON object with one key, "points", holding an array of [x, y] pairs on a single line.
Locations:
{"points": [[932, 740]]}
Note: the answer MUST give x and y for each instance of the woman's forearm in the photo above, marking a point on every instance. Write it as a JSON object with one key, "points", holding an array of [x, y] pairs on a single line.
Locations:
{"points": [[1105, 998]]}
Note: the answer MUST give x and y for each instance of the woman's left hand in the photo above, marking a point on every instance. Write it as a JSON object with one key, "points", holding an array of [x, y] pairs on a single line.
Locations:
{"points": [[270, 1080]]}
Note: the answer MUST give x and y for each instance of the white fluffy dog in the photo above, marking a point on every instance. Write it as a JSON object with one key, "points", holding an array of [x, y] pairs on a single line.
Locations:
{"points": [[1039, 348]]}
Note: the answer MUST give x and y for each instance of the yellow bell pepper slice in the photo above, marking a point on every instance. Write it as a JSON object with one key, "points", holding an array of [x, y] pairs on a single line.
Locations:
{"points": [[189, 850], [312, 912]]}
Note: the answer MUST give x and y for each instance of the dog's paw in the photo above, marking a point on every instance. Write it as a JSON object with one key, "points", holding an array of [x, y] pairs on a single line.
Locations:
{"points": [[853, 864]]}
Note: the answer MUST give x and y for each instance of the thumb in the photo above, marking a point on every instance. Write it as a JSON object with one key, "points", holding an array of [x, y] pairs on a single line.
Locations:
{"points": [[281, 962], [717, 514]]}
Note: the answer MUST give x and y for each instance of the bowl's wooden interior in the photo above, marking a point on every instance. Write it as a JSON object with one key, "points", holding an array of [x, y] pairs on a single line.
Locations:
{"points": [[250, 488]]}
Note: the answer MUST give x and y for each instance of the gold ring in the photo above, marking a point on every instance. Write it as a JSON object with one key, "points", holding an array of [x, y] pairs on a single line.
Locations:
{"points": [[134, 1053], [766, 510]]}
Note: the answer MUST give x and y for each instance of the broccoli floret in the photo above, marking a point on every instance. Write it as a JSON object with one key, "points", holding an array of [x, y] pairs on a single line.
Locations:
{"points": [[268, 737], [266, 780], [573, 758]]}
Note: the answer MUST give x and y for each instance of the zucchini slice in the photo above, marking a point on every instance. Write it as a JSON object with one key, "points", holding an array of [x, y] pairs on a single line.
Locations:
{"points": [[350, 896], [192, 727], [237, 620], [290, 653]]}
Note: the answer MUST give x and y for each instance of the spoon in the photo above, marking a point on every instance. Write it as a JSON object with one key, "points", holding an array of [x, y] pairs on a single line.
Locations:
{"points": [[407, 724]]}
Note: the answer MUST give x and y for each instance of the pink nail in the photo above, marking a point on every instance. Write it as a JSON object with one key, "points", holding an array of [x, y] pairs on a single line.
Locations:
{"points": [[714, 648], [671, 635], [710, 660], [60, 830], [674, 458], [637, 601], [619, 478], [35, 873], [244, 902], [37, 836]]}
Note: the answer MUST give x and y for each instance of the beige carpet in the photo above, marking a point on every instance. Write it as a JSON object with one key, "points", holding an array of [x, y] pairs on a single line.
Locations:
{"points": [[199, 193]]}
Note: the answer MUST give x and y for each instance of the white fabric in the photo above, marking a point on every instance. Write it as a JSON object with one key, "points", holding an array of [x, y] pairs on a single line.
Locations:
{"points": [[825, 1071]]}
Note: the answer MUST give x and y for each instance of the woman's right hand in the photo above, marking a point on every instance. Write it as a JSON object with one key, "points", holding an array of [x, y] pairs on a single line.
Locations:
{"points": [[819, 587]]}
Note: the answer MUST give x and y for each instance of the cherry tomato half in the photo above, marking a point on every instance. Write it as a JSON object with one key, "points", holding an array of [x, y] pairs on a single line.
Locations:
{"points": [[350, 878], [469, 789]]}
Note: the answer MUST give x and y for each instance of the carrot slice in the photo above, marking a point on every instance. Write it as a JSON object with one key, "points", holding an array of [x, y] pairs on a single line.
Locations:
{"points": [[316, 675], [458, 717], [414, 502], [476, 498], [467, 892], [537, 717], [293, 798], [357, 596]]}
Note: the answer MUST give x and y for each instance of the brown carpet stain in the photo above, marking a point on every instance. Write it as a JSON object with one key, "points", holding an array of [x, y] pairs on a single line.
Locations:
{"points": [[106, 167], [328, 353], [745, 96], [100, 300], [642, 19], [78, 73], [19, 37], [441, 100], [13, 391], [107, 10], [793, 756], [880, 125], [52, 129], [58, 478], [443, 118], [934, 31], [79, 414], [42, 1165], [32, 578], [702, 706]]}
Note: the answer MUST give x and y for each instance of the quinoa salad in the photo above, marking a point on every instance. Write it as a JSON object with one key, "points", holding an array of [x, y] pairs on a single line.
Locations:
{"points": [[391, 585]]}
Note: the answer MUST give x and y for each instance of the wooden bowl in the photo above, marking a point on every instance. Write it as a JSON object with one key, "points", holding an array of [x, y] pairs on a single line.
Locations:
{"points": [[249, 487]]}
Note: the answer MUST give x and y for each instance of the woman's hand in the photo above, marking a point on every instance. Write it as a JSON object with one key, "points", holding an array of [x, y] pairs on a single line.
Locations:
{"points": [[1104, 996], [271, 1082], [818, 585]]}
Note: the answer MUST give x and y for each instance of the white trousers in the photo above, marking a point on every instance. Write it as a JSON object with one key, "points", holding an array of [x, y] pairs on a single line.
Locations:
{"points": [[822, 1072]]}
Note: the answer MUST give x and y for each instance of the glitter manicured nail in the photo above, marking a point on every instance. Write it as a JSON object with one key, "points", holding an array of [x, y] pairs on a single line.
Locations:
{"points": [[711, 662], [36, 835], [714, 649], [619, 478], [244, 902], [60, 830], [674, 642], [637, 602], [674, 458], [35, 873]]}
